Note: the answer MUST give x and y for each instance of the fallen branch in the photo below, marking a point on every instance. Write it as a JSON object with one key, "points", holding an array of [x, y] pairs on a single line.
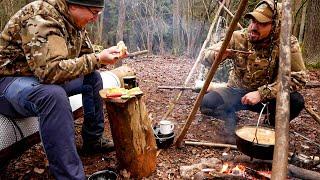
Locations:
{"points": [[313, 85], [217, 145], [174, 87], [301, 173], [293, 171], [313, 114], [137, 53]]}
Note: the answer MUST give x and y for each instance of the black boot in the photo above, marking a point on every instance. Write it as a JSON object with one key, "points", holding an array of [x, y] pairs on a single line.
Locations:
{"points": [[98, 146]]}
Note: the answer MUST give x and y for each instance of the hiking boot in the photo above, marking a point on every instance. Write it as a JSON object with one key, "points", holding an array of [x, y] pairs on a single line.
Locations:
{"points": [[98, 146]]}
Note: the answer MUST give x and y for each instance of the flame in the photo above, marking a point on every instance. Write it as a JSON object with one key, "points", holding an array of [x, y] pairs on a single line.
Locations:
{"points": [[238, 170], [224, 168]]}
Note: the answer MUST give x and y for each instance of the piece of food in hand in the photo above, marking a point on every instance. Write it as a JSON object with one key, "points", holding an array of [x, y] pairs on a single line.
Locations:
{"points": [[122, 48]]}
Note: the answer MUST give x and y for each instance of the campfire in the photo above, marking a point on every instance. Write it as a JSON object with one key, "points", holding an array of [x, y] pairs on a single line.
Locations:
{"points": [[241, 170]]}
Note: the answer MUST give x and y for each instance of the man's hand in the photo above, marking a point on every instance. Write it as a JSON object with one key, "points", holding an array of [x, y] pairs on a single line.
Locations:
{"points": [[251, 98], [111, 55], [227, 53]]}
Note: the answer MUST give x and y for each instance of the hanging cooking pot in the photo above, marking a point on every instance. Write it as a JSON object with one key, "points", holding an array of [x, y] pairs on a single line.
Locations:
{"points": [[256, 141]]}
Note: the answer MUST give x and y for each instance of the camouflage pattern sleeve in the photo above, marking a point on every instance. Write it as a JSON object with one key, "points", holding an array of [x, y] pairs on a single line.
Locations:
{"points": [[212, 51], [47, 52], [298, 74], [87, 46]]}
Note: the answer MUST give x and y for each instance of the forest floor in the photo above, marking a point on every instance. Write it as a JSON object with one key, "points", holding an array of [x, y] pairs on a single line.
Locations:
{"points": [[157, 71]]}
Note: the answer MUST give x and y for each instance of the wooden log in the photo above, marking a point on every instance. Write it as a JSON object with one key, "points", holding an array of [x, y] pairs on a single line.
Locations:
{"points": [[313, 114], [132, 135], [301, 173], [312, 85], [213, 69], [210, 144], [174, 87], [293, 171], [281, 148], [137, 53]]}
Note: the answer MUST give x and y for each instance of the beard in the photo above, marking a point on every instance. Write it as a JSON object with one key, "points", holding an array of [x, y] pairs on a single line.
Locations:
{"points": [[254, 38]]}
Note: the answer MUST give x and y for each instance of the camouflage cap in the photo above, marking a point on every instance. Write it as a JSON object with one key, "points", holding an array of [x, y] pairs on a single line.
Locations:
{"points": [[91, 3], [263, 12]]}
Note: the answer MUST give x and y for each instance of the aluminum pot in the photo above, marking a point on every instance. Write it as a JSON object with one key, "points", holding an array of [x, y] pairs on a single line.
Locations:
{"points": [[260, 146]]}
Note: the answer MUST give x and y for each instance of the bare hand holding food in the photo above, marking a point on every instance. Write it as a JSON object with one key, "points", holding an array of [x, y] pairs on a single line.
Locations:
{"points": [[113, 54]]}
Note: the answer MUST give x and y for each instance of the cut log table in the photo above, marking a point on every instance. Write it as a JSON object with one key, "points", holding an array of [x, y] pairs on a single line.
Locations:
{"points": [[132, 135]]}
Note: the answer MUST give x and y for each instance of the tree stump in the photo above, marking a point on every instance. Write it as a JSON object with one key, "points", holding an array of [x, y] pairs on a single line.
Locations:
{"points": [[132, 135]]}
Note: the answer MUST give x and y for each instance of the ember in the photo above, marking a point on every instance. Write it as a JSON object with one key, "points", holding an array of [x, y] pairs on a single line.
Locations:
{"points": [[238, 170]]}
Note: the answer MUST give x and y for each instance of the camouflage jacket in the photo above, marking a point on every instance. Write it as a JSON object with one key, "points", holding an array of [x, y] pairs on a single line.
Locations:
{"points": [[251, 71], [42, 40]]}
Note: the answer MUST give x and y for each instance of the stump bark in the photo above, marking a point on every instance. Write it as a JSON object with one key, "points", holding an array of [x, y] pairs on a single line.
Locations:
{"points": [[132, 135]]}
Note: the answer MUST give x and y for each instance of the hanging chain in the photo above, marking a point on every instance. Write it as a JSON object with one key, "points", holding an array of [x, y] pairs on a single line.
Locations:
{"points": [[272, 44], [272, 39]]}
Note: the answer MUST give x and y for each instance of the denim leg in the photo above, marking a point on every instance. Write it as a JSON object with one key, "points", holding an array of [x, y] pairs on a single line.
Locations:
{"points": [[89, 86], [51, 104], [93, 125], [223, 104], [5, 106], [57, 131]]}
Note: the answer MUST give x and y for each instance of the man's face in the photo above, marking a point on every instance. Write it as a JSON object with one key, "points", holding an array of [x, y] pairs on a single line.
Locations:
{"points": [[258, 31], [83, 15]]}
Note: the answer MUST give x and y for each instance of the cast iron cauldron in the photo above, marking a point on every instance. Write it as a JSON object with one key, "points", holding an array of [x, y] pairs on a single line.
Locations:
{"points": [[103, 175], [248, 145]]}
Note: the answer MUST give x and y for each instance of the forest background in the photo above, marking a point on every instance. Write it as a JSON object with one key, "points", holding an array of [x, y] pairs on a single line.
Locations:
{"points": [[179, 27]]}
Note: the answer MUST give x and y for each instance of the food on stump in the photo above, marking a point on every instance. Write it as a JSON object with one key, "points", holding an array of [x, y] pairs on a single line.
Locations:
{"points": [[116, 92]]}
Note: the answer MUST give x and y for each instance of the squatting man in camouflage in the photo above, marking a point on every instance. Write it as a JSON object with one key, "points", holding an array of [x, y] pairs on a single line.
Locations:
{"points": [[253, 78], [45, 57]]}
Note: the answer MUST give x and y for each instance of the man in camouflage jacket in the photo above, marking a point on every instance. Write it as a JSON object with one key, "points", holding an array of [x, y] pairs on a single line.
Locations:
{"points": [[253, 78], [46, 56]]}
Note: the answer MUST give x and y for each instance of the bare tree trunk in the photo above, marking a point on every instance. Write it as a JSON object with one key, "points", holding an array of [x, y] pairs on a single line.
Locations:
{"points": [[121, 20], [302, 24], [281, 148], [296, 17], [176, 35], [100, 30], [120, 26], [311, 41]]}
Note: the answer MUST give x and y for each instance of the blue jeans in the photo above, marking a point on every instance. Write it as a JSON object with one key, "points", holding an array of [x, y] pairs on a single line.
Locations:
{"points": [[25, 96], [223, 103]]}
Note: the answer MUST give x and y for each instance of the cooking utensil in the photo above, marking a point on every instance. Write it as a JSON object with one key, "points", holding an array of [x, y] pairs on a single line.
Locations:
{"points": [[255, 141], [262, 148]]}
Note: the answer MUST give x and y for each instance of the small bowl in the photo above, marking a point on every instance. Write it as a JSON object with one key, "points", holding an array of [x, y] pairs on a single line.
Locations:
{"points": [[163, 140], [103, 175]]}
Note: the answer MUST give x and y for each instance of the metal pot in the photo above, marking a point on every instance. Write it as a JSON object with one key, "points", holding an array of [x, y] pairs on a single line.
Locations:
{"points": [[248, 142], [103, 175]]}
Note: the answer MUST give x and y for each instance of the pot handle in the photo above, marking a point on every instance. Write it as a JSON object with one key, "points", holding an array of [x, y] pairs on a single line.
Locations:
{"points": [[255, 134]]}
